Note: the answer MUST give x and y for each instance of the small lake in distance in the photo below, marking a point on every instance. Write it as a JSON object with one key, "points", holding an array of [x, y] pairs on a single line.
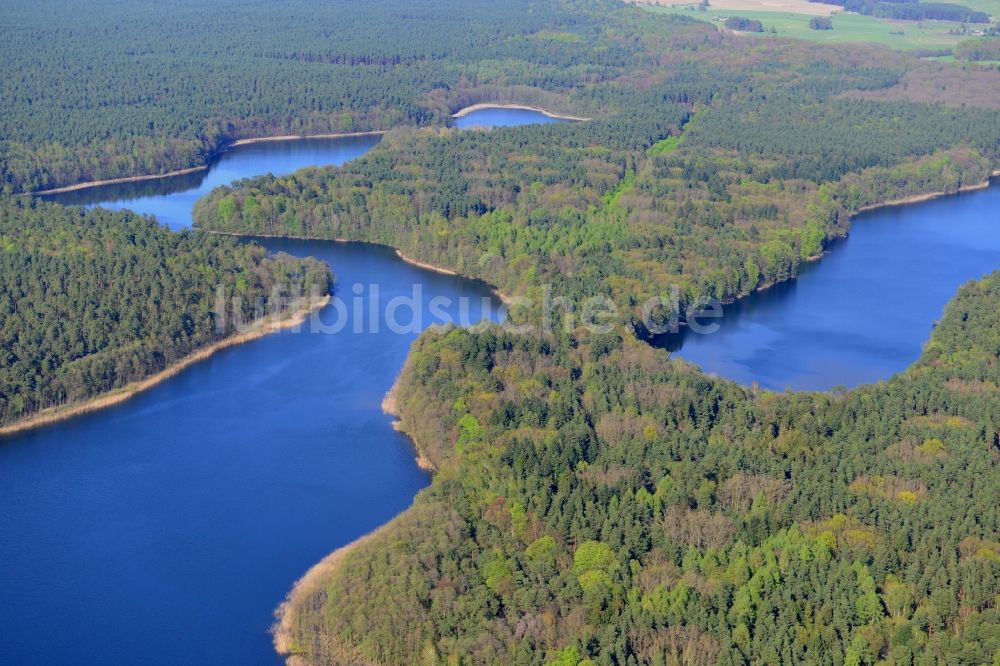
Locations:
{"points": [[502, 117]]}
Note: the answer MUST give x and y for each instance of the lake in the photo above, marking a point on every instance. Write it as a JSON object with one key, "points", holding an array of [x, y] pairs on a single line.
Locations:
{"points": [[165, 530], [863, 312]]}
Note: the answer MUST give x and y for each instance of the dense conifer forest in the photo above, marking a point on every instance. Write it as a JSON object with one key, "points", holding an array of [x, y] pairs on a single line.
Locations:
{"points": [[93, 301]]}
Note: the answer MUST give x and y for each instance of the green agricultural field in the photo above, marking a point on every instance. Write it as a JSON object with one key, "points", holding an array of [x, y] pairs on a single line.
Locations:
{"points": [[904, 35]]}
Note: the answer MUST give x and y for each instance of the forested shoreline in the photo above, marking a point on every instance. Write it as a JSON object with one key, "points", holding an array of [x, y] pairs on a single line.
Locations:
{"points": [[295, 315], [96, 301]]}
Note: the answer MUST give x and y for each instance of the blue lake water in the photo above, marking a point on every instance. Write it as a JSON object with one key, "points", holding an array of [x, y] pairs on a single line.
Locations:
{"points": [[165, 530], [863, 312]]}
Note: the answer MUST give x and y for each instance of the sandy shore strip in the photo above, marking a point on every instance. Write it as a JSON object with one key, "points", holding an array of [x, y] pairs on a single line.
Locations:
{"points": [[928, 196], [479, 107], [502, 297], [426, 266], [258, 330], [390, 407], [447, 271], [300, 137], [118, 181]]}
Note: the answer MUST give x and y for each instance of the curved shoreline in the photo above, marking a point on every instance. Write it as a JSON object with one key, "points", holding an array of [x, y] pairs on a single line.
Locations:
{"points": [[502, 297], [302, 137], [259, 329], [927, 196], [461, 113], [311, 583], [116, 181], [311, 587], [891, 203], [390, 407], [183, 172]]}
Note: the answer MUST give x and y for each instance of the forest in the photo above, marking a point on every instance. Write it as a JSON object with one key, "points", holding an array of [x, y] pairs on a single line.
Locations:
{"points": [[91, 301], [182, 89], [594, 501]]}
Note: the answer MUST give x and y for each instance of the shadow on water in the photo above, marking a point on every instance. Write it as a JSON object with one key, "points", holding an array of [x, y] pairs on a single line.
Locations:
{"points": [[141, 189], [758, 304]]}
